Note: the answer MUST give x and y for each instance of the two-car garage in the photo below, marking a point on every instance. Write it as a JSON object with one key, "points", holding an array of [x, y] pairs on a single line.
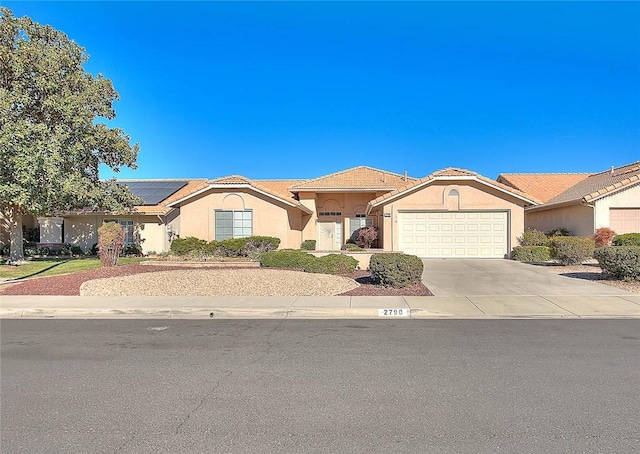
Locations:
{"points": [[462, 234], [453, 213]]}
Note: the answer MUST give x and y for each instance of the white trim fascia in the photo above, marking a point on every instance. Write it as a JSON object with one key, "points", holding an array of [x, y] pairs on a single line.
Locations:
{"points": [[615, 191], [387, 189], [552, 206], [451, 178]]}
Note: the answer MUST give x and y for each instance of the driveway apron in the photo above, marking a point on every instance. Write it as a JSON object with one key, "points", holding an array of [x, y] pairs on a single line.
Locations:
{"points": [[478, 277]]}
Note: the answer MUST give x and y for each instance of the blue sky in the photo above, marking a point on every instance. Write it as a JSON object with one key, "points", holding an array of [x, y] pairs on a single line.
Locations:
{"points": [[302, 89]]}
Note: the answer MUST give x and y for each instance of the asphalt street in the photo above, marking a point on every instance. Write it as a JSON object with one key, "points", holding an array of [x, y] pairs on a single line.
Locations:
{"points": [[249, 386]]}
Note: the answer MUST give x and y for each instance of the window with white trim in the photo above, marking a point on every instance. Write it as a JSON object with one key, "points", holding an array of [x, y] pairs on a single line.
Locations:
{"points": [[358, 222], [128, 227], [233, 224]]}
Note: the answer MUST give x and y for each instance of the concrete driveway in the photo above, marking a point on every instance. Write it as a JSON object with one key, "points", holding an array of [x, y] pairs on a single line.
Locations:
{"points": [[490, 277]]}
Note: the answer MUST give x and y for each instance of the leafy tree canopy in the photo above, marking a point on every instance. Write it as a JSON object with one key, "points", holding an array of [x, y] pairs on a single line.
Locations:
{"points": [[51, 139]]}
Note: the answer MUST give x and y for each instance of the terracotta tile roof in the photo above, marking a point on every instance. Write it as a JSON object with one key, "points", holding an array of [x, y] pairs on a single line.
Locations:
{"points": [[190, 188], [231, 179], [361, 177], [451, 172], [542, 186], [598, 185], [280, 187]]}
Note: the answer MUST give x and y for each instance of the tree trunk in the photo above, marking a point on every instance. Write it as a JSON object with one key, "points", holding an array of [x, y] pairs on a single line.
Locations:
{"points": [[16, 246]]}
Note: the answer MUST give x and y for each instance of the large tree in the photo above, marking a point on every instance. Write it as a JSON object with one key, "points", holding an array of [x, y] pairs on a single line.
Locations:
{"points": [[53, 129]]}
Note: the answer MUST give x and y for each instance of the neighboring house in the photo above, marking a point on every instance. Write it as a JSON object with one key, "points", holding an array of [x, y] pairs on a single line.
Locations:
{"points": [[606, 199], [451, 213], [542, 186]]}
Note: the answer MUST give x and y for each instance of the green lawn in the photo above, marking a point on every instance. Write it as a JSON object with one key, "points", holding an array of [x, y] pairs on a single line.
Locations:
{"points": [[53, 266]]}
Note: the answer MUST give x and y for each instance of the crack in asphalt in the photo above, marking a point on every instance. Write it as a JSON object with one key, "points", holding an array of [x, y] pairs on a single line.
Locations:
{"points": [[227, 376]]}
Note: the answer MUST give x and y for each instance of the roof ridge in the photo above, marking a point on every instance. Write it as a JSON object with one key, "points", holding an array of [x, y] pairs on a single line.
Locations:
{"points": [[308, 181], [545, 173], [633, 166]]}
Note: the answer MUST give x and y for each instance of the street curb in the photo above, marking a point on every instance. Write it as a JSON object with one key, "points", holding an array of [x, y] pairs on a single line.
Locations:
{"points": [[307, 313]]}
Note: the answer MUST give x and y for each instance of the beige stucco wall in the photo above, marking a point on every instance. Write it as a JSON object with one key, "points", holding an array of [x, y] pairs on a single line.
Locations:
{"points": [[629, 198], [578, 219], [83, 231], [270, 217], [472, 196]]}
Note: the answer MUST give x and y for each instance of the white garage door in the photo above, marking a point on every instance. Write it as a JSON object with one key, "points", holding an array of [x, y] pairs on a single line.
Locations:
{"points": [[462, 234], [624, 220]]}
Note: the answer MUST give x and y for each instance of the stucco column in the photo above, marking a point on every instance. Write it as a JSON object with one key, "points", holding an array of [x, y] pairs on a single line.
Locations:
{"points": [[50, 230]]}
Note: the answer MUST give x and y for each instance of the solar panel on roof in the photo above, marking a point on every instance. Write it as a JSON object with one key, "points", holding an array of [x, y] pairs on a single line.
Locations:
{"points": [[153, 192]]}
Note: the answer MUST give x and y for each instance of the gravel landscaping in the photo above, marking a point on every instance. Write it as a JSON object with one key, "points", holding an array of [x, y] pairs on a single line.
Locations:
{"points": [[220, 282]]}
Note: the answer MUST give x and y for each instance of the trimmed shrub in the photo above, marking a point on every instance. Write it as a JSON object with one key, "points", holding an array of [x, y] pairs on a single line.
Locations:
{"points": [[351, 247], [308, 245], [571, 250], [331, 264], [620, 262], [286, 258], [259, 244], [558, 231], [533, 237], [184, 246], [627, 239], [531, 253], [603, 236], [395, 270]]}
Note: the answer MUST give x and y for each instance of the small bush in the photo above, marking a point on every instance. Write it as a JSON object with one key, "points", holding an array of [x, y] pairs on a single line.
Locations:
{"points": [[603, 236], [396, 270], [332, 264], [531, 253], [94, 249], [132, 250], [351, 247], [184, 246], [110, 241], [308, 245], [532, 237], [620, 262], [286, 258], [627, 239], [571, 250], [558, 231], [366, 236], [75, 250], [259, 244]]}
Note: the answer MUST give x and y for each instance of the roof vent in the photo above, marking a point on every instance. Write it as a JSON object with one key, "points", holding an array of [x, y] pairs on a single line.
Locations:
{"points": [[611, 170], [404, 176]]}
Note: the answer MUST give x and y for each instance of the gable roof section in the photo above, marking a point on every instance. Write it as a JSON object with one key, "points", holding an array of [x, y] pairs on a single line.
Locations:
{"points": [[448, 174], [596, 186], [542, 186], [354, 179], [271, 189]]}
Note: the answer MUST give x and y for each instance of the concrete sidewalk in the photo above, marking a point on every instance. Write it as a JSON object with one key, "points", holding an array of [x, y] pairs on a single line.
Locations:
{"points": [[624, 305]]}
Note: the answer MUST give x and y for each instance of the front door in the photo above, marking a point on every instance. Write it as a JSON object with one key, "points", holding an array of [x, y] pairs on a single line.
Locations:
{"points": [[329, 236]]}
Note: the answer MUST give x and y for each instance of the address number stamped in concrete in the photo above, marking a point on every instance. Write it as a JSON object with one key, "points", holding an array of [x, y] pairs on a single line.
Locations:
{"points": [[404, 312]]}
